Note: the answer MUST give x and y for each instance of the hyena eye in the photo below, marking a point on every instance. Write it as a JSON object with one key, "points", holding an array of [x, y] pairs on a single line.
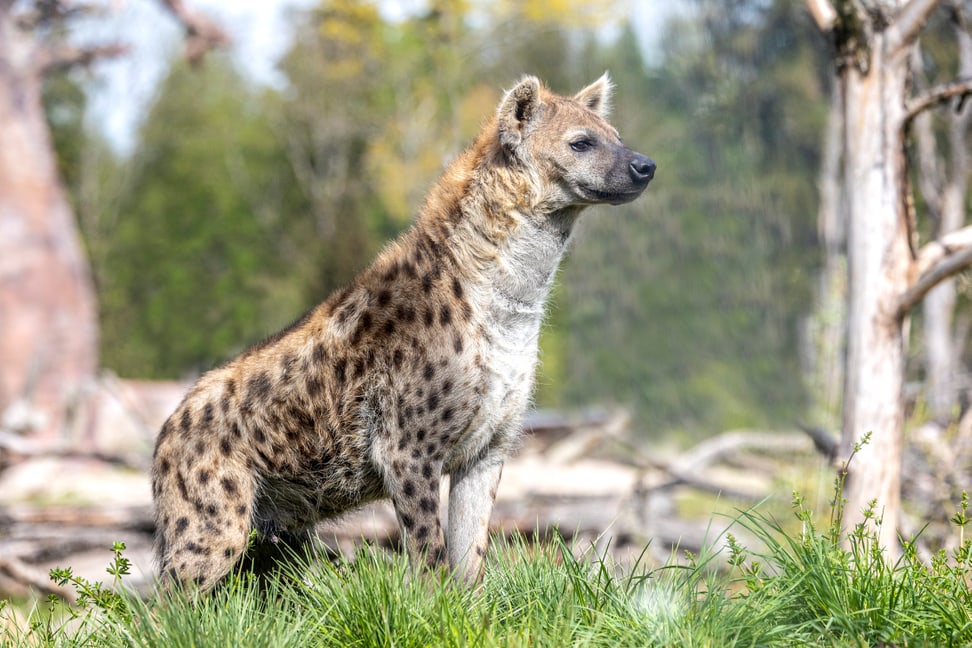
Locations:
{"points": [[582, 145]]}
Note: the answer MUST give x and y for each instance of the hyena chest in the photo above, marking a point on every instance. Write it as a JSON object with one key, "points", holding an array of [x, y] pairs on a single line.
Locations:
{"points": [[509, 356]]}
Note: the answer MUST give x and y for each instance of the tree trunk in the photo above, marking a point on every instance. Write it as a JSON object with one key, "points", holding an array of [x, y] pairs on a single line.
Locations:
{"points": [[879, 260], [48, 320]]}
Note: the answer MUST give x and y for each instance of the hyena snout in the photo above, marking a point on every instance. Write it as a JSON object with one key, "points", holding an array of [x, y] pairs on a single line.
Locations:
{"points": [[641, 169]]}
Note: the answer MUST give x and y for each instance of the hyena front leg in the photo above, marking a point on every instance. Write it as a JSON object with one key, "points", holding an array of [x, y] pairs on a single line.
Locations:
{"points": [[414, 490], [472, 492]]}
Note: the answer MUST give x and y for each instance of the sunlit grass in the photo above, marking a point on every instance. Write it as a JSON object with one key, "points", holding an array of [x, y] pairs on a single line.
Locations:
{"points": [[812, 587]]}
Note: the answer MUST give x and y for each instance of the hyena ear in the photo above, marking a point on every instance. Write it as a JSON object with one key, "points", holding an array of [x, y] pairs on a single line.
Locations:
{"points": [[518, 109], [597, 96]]}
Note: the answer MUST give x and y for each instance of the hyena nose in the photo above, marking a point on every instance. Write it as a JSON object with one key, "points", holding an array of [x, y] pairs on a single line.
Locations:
{"points": [[642, 169]]}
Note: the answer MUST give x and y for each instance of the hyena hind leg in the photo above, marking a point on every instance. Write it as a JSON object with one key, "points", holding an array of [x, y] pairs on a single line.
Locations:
{"points": [[202, 532]]}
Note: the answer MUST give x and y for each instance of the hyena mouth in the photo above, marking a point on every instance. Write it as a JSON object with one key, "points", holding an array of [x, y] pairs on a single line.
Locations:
{"points": [[611, 197]]}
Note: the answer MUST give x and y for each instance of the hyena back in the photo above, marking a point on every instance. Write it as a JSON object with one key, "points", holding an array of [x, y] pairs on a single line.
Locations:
{"points": [[422, 367]]}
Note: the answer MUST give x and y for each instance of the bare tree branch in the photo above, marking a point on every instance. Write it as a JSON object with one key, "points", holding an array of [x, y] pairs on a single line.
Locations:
{"points": [[937, 95], [936, 261], [202, 34], [64, 55], [905, 26], [823, 13]]}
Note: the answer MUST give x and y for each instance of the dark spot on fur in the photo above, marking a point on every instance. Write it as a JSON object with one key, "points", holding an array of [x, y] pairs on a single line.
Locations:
{"points": [[433, 401], [163, 433], [186, 421], [241, 509], [211, 510], [428, 372], [406, 314], [429, 317], [259, 436], [164, 467], [229, 486], [480, 551], [427, 470], [430, 448], [416, 453], [407, 521], [360, 365], [408, 488], [364, 325], [422, 533], [203, 476], [447, 414], [340, 369], [398, 357], [258, 387], [427, 283], [446, 387], [235, 430], [181, 484], [391, 274], [224, 405], [228, 552], [230, 388], [384, 296], [456, 288], [346, 313], [287, 366], [389, 327], [182, 524], [427, 504], [445, 315], [457, 343], [320, 353], [200, 447], [420, 435], [196, 549], [314, 386], [225, 446]]}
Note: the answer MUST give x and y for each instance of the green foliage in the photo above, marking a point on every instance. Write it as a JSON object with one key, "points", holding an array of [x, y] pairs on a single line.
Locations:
{"points": [[205, 231], [807, 587], [240, 208], [688, 303]]}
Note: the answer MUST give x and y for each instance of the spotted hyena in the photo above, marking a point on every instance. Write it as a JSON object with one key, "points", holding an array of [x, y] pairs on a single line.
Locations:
{"points": [[421, 368]]}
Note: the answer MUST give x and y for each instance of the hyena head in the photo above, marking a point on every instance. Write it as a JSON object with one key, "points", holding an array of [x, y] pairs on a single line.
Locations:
{"points": [[577, 157]]}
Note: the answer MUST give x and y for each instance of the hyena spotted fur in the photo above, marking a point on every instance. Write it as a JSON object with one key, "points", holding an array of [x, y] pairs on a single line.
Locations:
{"points": [[421, 368]]}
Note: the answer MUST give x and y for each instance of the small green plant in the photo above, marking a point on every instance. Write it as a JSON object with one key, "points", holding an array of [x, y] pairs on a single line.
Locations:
{"points": [[813, 586]]}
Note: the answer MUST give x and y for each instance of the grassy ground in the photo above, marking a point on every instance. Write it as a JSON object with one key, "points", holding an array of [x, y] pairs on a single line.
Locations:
{"points": [[813, 587]]}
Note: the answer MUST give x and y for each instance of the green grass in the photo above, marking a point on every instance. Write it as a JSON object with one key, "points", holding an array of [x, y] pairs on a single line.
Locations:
{"points": [[815, 587]]}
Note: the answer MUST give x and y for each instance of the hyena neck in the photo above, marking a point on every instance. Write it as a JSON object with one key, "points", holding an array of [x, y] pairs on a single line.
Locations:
{"points": [[503, 240], [525, 266]]}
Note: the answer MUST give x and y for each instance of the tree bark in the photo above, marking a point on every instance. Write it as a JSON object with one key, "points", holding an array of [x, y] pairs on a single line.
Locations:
{"points": [[879, 256], [887, 275], [48, 316], [48, 312]]}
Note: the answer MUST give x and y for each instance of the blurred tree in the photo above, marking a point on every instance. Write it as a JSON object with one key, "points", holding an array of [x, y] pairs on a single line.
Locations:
{"points": [[705, 279], [206, 227], [47, 307], [888, 274]]}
